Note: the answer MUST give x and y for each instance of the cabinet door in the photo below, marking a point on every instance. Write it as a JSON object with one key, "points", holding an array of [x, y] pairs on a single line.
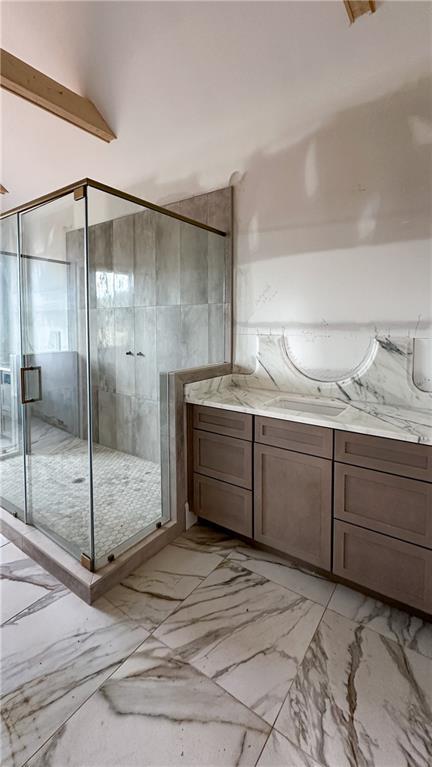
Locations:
{"points": [[293, 504]]}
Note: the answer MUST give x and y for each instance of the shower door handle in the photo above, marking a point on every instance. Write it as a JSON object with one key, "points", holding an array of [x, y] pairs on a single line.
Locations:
{"points": [[35, 384]]}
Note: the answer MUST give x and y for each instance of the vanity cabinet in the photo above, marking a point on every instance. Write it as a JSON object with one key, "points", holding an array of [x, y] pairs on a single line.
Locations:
{"points": [[355, 505]]}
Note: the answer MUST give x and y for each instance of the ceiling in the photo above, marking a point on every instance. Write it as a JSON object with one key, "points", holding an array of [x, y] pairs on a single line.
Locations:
{"points": [[193, 89]]}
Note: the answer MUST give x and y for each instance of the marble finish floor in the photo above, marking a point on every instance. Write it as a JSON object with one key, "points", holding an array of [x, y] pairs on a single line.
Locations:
{"points": [[212, 653], [126, 489]]}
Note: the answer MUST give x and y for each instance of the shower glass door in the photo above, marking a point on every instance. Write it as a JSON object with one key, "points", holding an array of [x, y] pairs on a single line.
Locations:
{"points": [[54, 372], [12, 494]]}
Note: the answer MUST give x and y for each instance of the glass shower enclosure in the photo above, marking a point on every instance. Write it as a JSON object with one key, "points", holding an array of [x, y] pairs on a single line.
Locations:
{"points": [[101, 295]]}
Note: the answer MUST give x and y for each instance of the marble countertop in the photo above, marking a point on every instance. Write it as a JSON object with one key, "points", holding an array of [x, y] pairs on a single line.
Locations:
{"points": [[228, 392]]}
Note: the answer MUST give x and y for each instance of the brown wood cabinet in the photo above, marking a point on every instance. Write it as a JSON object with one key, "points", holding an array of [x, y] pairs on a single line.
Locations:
{"points": [[293, 503], [366, 516]]}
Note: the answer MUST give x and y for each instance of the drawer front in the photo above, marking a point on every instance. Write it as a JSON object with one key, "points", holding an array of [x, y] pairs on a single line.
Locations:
{"points": [[223, 504], [393, 505], [223, 422], [224, 458], [390, 567], [391, 455], [301, 437], [293, 504]]}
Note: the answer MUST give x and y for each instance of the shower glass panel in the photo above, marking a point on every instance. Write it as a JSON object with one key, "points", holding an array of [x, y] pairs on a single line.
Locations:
{"points": [[54, 374], [125, 404], [12, 495], [157, 288]]}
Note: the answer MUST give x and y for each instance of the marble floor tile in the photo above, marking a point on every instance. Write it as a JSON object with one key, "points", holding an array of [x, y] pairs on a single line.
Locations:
{"points": [[360, 700], [54, 655], [22, 582], [293, 576], [408, 630], [157, 711], [206, 538], [279, 752], [246, 633], [156, 588]]}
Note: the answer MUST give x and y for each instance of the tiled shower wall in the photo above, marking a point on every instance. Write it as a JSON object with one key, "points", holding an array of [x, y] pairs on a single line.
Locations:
{"points": [[161, 290]]}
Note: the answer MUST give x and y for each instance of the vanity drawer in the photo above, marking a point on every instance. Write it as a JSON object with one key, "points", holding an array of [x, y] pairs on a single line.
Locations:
{"points": [[392, 455], [223, 504], [301, 437], [393, 505], [220, 421], [224, 458], [386, 565]]}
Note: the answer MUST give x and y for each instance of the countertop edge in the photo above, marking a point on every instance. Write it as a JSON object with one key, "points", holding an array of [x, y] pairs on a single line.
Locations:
{"points": [[326, 422]]}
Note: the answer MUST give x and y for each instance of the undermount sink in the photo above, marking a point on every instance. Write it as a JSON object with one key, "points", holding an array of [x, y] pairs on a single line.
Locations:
{"points": [[307, 406]]}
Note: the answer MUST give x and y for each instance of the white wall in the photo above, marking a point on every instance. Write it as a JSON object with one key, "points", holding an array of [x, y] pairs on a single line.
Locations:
{"points": [[334, 230], [325, 130]]}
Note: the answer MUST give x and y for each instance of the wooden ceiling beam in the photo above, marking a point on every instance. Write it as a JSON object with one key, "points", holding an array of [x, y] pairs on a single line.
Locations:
{"points": [[356, 8], [20, 78]]}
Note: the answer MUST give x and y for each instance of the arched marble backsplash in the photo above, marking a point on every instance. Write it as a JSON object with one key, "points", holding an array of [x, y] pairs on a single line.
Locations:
{"points": [[385, 376]]}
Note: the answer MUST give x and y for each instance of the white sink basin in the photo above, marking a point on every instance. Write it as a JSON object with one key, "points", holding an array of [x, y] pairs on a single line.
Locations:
{"points": [[307, 406]]}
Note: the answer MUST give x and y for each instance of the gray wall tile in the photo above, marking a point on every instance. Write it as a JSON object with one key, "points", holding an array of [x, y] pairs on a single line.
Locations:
{"points": [[220, 209], [220, 215], [101, 278], [146, 379], [194, 335], [104, 352], [146, 429], [123, 261], [145, 258], [216, 327], [193, 207], [125, 426], [193, 265], [216, 268], [107, 418], [167, 235], [124, 342], [168, 326]]}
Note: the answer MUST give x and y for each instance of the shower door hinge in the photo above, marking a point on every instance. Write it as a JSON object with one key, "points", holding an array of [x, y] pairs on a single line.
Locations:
{"points": [[79, 193], [86, 562]]}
